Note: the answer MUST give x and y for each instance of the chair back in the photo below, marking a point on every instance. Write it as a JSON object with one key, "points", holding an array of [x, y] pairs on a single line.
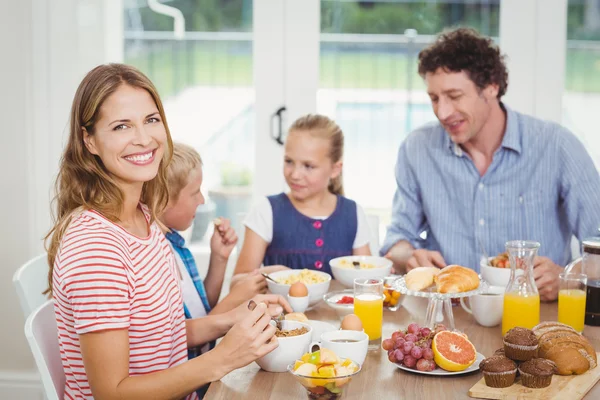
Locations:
{"points": [[373, 221], [42, 334], [30, 280]]}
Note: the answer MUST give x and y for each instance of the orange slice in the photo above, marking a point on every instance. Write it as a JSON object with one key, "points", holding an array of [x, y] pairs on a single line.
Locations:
{"points": [[452, 351]]}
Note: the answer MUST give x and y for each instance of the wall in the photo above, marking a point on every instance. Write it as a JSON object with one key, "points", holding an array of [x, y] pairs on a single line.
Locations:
{"points": [[45, 53]]}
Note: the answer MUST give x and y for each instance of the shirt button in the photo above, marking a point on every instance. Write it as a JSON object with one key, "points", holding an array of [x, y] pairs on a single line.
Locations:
{"points": [[318, 264], [521, 199], [481, 186], [482, 222], [317, 224], [319, 242]]}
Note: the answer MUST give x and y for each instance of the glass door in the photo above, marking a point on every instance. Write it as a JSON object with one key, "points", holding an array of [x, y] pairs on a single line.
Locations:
{"points": [[369, 82]]}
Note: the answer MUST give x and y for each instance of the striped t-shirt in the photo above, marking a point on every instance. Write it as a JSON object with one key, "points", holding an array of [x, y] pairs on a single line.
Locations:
{"points": [[106, 278]]}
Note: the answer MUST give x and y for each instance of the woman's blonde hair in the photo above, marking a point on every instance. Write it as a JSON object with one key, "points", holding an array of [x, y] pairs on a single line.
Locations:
{"points": [[325, 128], [83, 182], [185, 160]]}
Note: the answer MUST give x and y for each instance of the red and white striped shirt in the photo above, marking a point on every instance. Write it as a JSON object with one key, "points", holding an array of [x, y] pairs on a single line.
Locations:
{"points": [[106, 278]]}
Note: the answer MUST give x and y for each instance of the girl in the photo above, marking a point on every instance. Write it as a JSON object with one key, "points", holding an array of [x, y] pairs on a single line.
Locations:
{"points": [[122, 331], [314, 222]]}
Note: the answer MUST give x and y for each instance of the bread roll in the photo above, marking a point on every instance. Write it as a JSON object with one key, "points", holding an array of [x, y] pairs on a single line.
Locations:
{"points": [[420, 278], [456, 279], [572, 352], [296, 316]]}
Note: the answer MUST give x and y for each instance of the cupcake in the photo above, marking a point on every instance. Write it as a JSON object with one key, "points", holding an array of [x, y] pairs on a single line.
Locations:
{"points": [[498, 371], [537, 373], [520, 344]]}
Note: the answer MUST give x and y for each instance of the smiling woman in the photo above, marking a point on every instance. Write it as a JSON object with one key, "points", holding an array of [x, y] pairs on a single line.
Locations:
{"points": [[113, 277]]}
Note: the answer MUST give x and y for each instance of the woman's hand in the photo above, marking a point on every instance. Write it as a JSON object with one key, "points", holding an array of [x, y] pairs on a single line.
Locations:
{"points": [[249, 339]]}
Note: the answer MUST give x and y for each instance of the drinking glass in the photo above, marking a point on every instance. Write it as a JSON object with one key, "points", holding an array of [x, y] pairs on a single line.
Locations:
{"points": [[571, 300], [368, 306]]}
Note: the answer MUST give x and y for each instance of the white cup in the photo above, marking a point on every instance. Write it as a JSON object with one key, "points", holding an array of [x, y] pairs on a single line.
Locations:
{"points": [[487, 307], [346, 344], [298, 304]]}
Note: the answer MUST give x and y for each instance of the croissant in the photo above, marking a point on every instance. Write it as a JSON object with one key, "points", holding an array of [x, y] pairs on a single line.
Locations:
{"points": [[456, 279], [571, 352], [420, 278]]}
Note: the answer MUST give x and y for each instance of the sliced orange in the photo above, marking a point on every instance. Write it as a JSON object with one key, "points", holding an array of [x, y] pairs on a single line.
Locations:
{"points": [[452, 351]]}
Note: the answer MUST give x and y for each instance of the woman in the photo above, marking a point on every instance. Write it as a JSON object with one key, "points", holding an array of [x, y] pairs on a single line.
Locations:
{"points": [[119, 311]]}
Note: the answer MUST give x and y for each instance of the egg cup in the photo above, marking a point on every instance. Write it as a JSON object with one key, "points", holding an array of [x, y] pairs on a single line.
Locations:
{"points": [[298, 304]]}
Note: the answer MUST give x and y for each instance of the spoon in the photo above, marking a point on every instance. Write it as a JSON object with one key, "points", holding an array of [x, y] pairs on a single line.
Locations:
{"points": [[277, 319], [268, 277]]}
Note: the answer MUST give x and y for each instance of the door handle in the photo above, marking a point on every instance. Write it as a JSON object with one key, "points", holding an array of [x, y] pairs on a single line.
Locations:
{"points": [[277, 132]]}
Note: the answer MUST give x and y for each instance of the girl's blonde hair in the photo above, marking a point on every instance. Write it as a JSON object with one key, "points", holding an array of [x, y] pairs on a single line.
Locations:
{"points": [[185, 160], [83, 182], [325, 128]]}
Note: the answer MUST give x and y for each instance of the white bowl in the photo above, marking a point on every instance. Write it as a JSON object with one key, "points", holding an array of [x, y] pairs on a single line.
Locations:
{"points": [[346, 276], [495, 276], [298, 304], [341, 310], [315, 290], [319, 328], [290, 348]]}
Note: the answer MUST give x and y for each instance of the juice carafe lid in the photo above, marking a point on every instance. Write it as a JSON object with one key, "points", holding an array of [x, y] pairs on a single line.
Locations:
{"points": [[591, 245]]}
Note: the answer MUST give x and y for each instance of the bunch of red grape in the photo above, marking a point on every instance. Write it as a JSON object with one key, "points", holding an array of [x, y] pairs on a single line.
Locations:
{"points": [[412, 347]]}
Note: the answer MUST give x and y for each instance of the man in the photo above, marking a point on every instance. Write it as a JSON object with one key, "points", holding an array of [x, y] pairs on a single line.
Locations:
{"points": [[485, 174]]}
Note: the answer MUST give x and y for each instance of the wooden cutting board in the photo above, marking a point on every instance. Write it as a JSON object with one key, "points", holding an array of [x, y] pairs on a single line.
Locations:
{"points": [[572, 387]]}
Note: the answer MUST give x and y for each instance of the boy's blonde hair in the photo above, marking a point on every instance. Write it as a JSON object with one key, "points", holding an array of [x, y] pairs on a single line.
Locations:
{"points": [[323, 127], [185, 160]]}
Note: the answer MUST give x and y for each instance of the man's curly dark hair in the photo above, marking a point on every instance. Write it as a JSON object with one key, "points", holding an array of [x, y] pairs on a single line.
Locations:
{"points": [[464, 49]]}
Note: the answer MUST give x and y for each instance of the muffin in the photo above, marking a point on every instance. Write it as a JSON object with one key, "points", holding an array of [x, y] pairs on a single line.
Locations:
{"points": [[498, 371], [537, 373], [520, 344]]}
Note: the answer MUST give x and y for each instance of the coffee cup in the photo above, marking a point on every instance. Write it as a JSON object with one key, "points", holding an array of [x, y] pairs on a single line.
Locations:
{"points": [[487, 307], [346, 344]]}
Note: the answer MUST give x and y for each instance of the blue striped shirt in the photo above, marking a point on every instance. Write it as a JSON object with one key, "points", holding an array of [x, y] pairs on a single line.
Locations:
{"points": [[541, 185]]}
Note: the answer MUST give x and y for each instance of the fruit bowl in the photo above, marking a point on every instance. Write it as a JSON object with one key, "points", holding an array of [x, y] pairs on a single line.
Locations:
{"points": [[319, 388]]}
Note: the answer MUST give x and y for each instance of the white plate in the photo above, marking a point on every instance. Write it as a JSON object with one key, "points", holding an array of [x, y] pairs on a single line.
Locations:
{"points": [[440, 372], [320, 327]]}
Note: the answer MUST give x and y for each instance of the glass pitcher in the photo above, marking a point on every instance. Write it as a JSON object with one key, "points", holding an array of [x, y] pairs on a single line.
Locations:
{"points": [[589, 264], [521, 299]]}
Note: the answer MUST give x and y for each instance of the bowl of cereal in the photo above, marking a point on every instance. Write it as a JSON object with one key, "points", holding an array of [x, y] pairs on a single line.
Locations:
{"points": [[317, 283], [294, 338], [346, 269]]}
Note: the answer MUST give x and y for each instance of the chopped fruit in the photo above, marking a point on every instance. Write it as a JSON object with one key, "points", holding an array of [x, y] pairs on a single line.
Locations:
{"points": [[452, 351], [328, 357], [324, 374], [326, 371]]}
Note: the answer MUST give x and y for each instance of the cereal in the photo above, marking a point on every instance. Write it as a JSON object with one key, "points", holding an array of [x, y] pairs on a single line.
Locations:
{"points": [[293, 332], [353, 264], [305, 276]]}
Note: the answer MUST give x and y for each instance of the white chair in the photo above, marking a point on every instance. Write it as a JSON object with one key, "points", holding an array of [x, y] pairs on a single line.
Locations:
{"points": [[42, 335], [30, 280], [373, 221]]}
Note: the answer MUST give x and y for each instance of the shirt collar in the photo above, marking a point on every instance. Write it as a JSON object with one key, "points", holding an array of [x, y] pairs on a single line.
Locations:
{"points": [[175, 238], [511, 139]]}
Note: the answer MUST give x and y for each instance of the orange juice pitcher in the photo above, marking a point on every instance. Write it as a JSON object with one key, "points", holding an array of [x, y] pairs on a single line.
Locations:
{"points": [[521, 299]]}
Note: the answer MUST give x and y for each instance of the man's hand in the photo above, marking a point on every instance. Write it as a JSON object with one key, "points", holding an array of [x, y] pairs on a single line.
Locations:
{"points": [[545, 273], [425, 258]]}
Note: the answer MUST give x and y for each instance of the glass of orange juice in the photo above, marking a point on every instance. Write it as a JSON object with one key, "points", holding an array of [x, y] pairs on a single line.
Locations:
{"points": [[368, 306], [571, 300]]}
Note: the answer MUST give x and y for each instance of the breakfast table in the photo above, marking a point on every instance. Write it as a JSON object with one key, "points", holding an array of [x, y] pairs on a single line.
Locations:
{"points": [[379, 378]]}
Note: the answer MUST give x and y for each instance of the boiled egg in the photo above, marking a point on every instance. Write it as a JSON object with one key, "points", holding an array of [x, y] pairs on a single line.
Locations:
{"points": [[352, 323], [298, 289]]}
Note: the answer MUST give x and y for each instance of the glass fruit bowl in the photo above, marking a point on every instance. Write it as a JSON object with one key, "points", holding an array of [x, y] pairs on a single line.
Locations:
{"points": [[320, 388]]}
